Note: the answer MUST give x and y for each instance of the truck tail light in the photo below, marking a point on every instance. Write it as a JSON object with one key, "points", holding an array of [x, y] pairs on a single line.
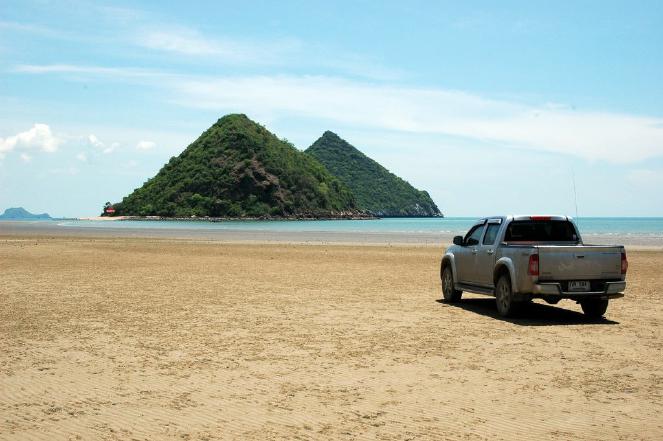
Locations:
{"points": [[533, 267], [540, 218], [624, 263]]}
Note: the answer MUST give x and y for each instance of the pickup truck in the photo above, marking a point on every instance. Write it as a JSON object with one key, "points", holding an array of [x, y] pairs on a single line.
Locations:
{"points": [[520, 258]]}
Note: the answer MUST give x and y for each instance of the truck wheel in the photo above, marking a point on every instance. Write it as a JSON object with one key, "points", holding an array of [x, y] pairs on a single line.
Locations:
{"points": [[594, 308], [506, 305], [450, 294]]}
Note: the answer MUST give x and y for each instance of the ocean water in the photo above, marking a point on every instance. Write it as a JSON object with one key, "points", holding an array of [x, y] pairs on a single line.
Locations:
{"points": [[589, 226]]}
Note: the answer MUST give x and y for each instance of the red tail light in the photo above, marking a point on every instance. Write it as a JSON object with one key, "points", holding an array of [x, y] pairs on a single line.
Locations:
{"points": [[533, 267], [624, 263], [540, 218]]}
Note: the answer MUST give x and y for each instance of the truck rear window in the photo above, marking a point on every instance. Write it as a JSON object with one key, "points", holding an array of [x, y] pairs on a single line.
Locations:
{"points": [[541, 231]]}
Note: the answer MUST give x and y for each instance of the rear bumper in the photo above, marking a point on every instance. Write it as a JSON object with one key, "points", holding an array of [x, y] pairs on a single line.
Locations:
{"points": [[612, 290]]}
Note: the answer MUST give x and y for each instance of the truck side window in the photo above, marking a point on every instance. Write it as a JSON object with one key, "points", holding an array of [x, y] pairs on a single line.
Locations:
{"points": [[491, 234], [474, 235]]}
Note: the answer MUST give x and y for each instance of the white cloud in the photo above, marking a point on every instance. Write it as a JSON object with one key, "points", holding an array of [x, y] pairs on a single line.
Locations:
{"points": [[38, 137], [284, 51], [82, 157], [279, 51], [25, 157], [646, 177], [111, 148], [94, 142], [125, 73], [120, 14], [145, 145], [591, 135], [551, 127], [32, 28], [185, 41]]}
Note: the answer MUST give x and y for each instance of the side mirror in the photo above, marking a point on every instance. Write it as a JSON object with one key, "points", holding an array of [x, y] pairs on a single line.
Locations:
{"points": [[458, 240]]}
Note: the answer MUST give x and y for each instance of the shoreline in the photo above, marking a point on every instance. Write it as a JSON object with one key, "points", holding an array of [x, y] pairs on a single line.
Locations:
{"points": [[234, 219], [442, 239], [249, 218]]}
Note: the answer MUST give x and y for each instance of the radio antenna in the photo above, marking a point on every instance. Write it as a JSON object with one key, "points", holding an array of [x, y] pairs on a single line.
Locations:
{"points": [[575, 194]]}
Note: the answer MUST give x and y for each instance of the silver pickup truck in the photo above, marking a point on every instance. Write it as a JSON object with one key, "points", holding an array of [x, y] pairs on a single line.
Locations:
{"points": [[519, 258]]}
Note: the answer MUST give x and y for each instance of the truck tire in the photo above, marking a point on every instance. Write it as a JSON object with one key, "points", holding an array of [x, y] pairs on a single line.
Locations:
{"points": [[594, 308], [450, 294], [506, 305]]}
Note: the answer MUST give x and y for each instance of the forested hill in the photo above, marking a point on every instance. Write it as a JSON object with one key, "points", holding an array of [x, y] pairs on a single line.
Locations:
{"points": [[376, 190], [237, 168]]}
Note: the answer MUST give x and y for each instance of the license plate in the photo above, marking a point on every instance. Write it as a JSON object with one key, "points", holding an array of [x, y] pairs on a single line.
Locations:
{"points": [[578, 285]]}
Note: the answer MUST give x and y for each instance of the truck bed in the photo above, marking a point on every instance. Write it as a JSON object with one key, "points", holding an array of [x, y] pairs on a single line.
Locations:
{"points": [[579, 262]]}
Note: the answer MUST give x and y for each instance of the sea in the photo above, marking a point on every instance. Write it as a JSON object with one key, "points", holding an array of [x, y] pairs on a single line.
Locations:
{"points": [[589, 226]]}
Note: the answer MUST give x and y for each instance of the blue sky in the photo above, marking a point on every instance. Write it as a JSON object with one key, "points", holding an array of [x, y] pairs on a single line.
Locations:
{"points": [[492, 107]]}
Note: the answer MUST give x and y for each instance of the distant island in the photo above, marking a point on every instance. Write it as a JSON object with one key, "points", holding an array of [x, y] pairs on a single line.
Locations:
{"points": [[20, 213], [238, 169], [377, 190]]}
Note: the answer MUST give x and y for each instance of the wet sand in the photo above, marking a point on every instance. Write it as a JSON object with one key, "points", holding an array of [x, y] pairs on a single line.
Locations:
{"points": [[116, 229], [135, 338]]}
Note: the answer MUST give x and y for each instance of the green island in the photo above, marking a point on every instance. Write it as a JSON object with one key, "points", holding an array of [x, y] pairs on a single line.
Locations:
{"points": [[377, 190], [238, 169]]}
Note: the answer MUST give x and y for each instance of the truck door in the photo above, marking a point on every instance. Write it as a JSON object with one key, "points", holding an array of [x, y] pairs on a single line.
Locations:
{"points": [[484, 259], [464, 256]]}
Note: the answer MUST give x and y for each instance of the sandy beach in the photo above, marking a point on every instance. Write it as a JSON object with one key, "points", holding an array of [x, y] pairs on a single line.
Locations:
{"points": [[162, 338]]}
